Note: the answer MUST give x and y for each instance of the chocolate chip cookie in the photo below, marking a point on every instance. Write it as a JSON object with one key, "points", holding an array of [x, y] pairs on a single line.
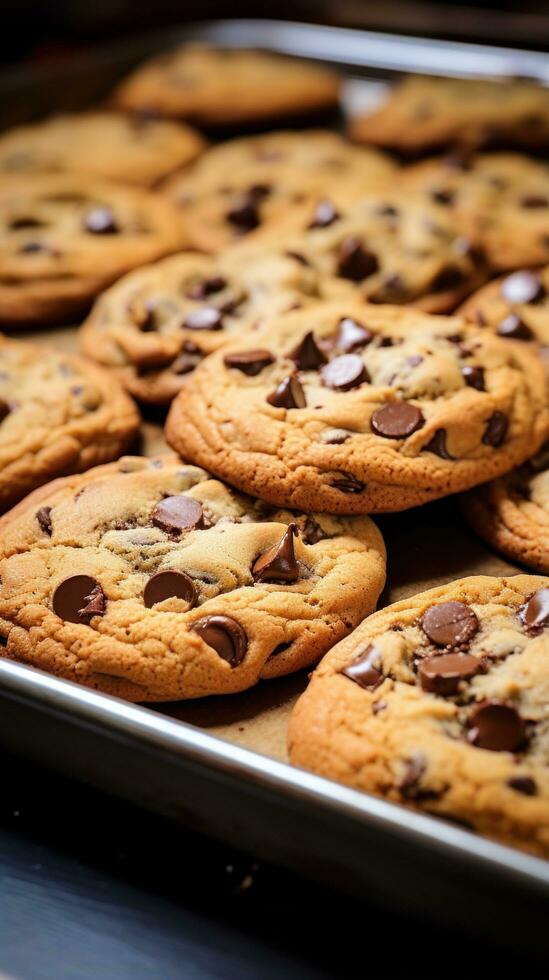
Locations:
{"points": [[516, 307], [248, 183], [213, 86], [388, 247], [150, 580], [58, 414], [423, 113], [355, 408], [64, 237], [512, 512], [499, 201], [154, 326], [135, 150], [441, 702]]}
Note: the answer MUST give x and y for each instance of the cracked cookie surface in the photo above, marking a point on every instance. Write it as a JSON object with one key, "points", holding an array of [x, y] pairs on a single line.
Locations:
{"points": [[249, 183], [136, 150], [64, 237], [150, 580], [354, 408], [215, 86], [155, 325], [58, 414], [512, 512], [426, 112], [441, 702]]}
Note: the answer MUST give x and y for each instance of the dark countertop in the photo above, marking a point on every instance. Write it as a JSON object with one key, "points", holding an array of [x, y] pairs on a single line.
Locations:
{"points": [[91, 887]]}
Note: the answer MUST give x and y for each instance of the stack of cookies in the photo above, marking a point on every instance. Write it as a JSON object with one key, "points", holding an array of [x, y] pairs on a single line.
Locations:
{"points": [[332, 329]]}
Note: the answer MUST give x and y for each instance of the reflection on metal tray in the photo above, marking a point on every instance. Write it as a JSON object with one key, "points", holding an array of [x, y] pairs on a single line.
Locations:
{"points": [[194, 761]]}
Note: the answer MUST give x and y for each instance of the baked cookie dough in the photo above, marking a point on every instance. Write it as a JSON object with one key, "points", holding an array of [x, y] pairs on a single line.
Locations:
{"points": [[423, 113], [441, 702], [154, 326], [64, 237], [249, 183], [109, 145], [58, 414], [214, 86], [353, 408], [152, 581]]}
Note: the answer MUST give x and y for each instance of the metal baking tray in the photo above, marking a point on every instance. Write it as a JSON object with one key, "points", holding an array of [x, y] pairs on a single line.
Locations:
{"points": [[218, 765]]}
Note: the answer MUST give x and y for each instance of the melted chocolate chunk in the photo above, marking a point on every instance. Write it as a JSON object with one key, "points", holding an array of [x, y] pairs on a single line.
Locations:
{"points": [[351, 335], [512, 326], [523, 784], [288, 394], [348, 483], [473, 376], [522, 287], [249, 362], [449, 277], [497, 726], [101, 221], [437, 445], [443, 674], [534, 202], [225, 636], [364, 670], [43, 516], [355, 262], [205, 318], [334, 437], [307, 355], [444, 195], [344, 373], [180, 513], [205, 287], [278, 563], [450, 624], [534, 614], [325, 215], [396, 420], [169, 584], [5, 409], [496, 430], [415, 768], [78, 598], [392, 289]]}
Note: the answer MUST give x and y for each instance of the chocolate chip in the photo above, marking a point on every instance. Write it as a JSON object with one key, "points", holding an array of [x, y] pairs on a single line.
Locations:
{"points": [[448, 277], [325, 215], [496, 725], [101, 221], [351, 335], [415, 360], [474, 377], [307, 355], [167, 585], [415, 768], [443, 195], [437, 445], [534, 614], [496, 430], [185, 363], [288, 394], [512, 326], [354, 262], [523, 784], [392, 289], [17, 224], [205, 287], [449, 624], [522, 287], [179, 513], [364, 669], [298, 257], [313, 532], [249, 362], [74, 596], [396, 420], [43, 516], [5, 409], [205, 318], [225, 636], [278, 563], [29, 247], [348, 483], [534, 201], [244, 214], [443, 674], [344, 373]]}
